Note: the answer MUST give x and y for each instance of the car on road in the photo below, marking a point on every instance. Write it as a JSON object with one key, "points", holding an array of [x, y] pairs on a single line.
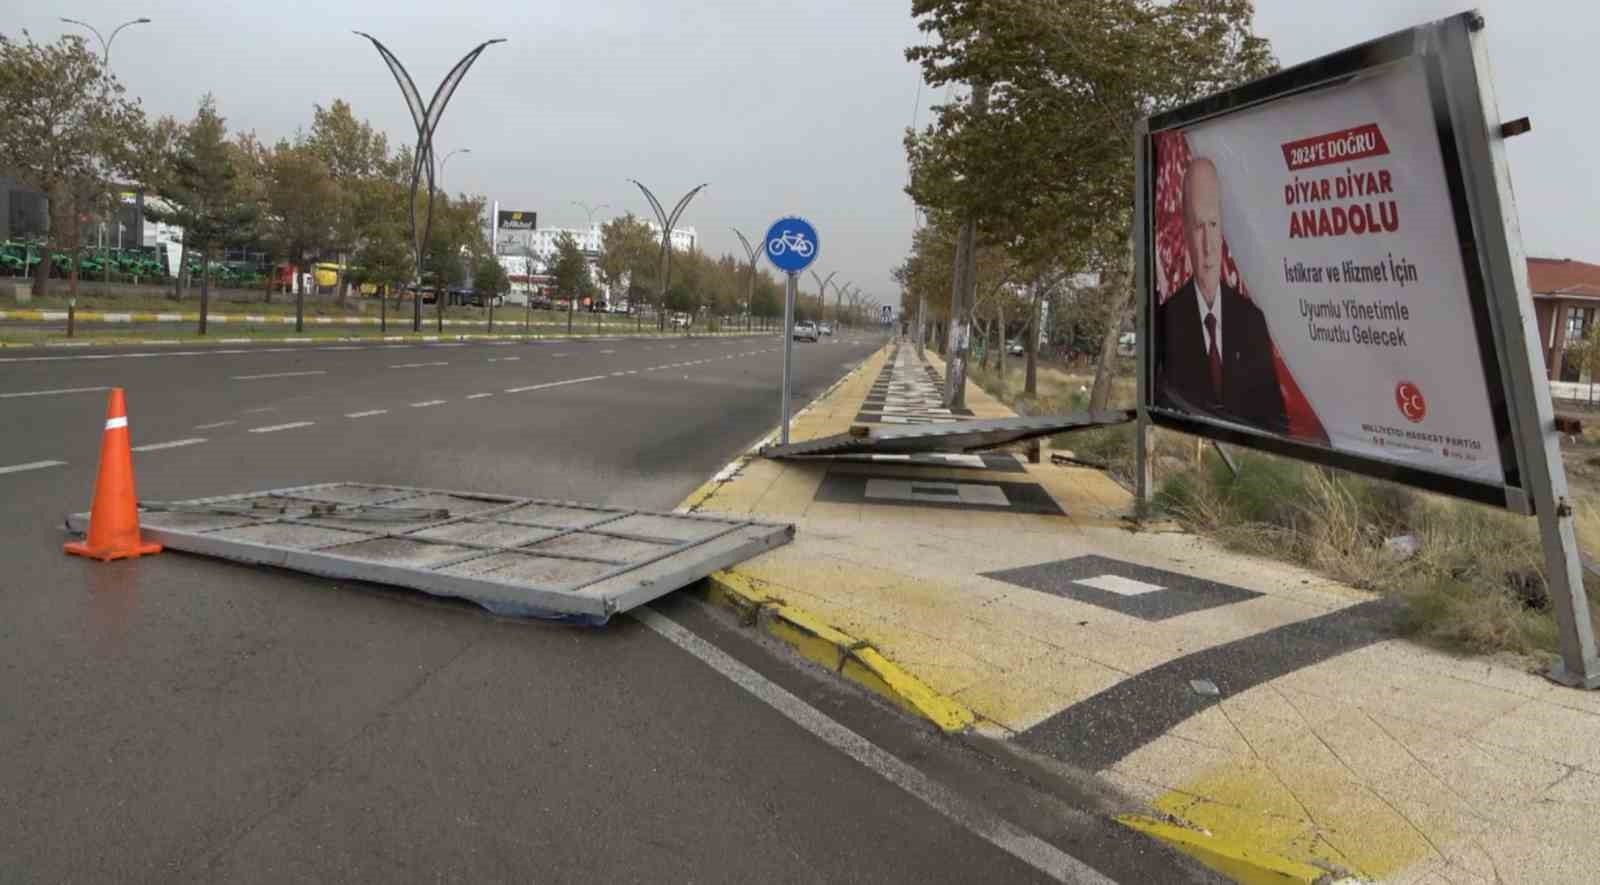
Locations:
{"points": [[825, 329], [805, 331], [1015, 348]]}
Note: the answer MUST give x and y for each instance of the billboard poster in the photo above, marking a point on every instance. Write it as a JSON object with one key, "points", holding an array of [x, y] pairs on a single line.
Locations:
{"points": [[507, 219], [1311, 284]]}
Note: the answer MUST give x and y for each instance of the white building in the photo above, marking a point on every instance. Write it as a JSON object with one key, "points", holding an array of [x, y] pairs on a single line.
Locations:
{"points": [[543, 240]]}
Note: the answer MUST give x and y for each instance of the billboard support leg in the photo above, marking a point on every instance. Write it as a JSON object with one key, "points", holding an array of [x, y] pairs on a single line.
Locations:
{"points": [[1226, 458], [1514, 321]]}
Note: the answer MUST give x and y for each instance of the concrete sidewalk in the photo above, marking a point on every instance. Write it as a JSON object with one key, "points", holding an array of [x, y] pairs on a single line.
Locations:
{"points": [[1268, 719]]}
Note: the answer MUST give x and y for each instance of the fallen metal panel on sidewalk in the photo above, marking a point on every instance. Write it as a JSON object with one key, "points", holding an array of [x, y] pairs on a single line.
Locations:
{"points": [[960, 436], [514, 556]]}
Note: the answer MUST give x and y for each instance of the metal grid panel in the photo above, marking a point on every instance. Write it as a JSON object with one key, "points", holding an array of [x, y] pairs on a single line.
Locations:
{"points": [[961, 436], [511, 555]]}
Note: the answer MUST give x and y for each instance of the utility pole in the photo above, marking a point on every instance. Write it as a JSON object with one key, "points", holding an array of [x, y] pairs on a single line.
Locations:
{"points": [[964, 290]]}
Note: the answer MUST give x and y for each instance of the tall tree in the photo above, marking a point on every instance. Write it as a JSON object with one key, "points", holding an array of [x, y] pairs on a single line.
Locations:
{"points": [[628, 258], [203, 196], [68, 130], [571, 270], [355, 155], [299, 195], [1046, 166]]}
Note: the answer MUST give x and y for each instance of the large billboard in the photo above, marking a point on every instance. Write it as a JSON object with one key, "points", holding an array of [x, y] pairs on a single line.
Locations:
{"points": [[1313, 281], [507, 219]]}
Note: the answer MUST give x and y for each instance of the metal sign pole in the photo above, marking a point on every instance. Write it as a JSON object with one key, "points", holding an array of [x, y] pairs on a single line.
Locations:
{"points": [[1141, 310], [788, 349], [1512, 315]]}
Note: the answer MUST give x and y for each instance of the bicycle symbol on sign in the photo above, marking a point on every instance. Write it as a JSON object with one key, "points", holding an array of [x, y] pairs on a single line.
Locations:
{"points": [[795, 240]]}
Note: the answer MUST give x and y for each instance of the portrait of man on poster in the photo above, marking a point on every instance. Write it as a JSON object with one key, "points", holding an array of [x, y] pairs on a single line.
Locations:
{"points": [[1213, 348]]}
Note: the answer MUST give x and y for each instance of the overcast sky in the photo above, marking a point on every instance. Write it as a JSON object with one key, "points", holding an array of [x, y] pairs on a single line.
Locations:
{"points": [[784, 106]]}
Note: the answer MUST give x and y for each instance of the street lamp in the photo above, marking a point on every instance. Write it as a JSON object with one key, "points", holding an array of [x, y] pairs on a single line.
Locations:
{"points": [[590, 210], [426, 116], [105, 43], [105, 71], [750, 293], [667, 220], [446, 160], [822, 294]]}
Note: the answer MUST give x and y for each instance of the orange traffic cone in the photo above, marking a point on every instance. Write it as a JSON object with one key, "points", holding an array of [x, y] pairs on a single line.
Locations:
{"points": [[114, 518]]}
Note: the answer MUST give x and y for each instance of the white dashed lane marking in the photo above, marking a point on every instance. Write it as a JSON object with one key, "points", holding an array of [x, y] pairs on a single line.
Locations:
{"points": [[274, 428], [417, 365], [52, 392], [175, 444], [367, 414], [426, 403], [479, 395], [32, 465], [214, 424], [278, 375]]}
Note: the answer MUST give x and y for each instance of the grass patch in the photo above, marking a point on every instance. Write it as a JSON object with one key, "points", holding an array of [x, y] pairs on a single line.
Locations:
{"points": [[1475, 583]]}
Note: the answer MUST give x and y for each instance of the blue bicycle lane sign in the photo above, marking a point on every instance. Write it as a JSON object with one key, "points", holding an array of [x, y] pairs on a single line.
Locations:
{"points": [[792, 244]]}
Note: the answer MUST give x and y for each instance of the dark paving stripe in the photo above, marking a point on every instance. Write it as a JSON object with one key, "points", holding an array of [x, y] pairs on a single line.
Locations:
{"points": [[1100, 731], [1179, 594], [851, 488], [997, 463]]}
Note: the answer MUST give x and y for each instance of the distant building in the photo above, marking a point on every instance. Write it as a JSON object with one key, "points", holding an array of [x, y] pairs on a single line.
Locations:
{"points": [[543, 240], [1566, 294]]}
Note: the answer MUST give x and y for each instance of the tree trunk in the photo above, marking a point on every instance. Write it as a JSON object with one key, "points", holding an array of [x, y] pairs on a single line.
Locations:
{"points": [[41, 277], [1030, 375], [1122, 300], [339, 281], [266, 288], [205, 287], [1000, 339]]}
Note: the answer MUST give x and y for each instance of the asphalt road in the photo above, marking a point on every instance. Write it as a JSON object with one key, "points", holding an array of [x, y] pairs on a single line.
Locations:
{"points": [[179, 718]]}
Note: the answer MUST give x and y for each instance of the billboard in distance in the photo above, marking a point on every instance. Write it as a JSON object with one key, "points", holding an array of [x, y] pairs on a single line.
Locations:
{"points": [[507, 219], [1312, 285]]}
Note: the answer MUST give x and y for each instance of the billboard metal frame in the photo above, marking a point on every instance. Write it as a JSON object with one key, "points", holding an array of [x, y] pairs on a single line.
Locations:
{"points": [[1454, 57]]}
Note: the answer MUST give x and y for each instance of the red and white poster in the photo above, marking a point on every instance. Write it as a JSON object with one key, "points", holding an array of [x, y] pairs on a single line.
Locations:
{"points": [[1309, 283]]}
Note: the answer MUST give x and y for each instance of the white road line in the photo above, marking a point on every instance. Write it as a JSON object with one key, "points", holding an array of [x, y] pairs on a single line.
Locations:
{"points": [[608, 351], [367, 414], [177, 443], [479, 395], [277, 427], [553, 384], [278, 375], [981, 822], [560, 354], [426, 403], [34, 465], [504, 359], [618, 374], [417, 365], [214, 424], [52, 392]]}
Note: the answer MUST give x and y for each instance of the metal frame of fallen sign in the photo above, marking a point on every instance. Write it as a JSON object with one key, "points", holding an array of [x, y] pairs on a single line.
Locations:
{"points": [[954, 436], [514, 556]]}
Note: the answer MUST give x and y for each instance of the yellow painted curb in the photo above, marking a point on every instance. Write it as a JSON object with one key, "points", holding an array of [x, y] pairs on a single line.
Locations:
{"points": [[824, 644], [1228, 856]]}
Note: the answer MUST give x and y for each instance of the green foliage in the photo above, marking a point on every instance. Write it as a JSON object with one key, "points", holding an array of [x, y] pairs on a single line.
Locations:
{"points": [[203, 189], [68, 129], [489, 278], [629, 262], [571, 270]]}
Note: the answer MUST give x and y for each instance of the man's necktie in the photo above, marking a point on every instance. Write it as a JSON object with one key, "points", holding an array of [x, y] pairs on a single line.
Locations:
{"points": [[1212, 355]]}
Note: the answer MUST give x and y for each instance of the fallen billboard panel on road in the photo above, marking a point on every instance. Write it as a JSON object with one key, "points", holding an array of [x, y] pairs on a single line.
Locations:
{"points": [[514, 556]]}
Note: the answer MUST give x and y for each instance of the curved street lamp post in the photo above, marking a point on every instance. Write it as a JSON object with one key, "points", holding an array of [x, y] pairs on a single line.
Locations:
{"points": [[750, 286], [426, 117], [667, 220], [105, 71]]}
